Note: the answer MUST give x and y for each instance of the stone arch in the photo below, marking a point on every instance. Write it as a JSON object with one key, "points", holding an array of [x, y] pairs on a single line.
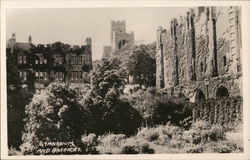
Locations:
{"points": [[199, 95], [222, 92]]}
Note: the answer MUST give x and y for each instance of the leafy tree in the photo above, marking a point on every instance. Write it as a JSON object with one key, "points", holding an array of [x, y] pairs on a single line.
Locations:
{"points": [[106, 111], [17, 97], [52, 115], [139, 62], [106, 75]]}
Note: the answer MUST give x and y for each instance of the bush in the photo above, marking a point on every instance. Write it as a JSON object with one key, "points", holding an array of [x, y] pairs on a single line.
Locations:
{"points": [[144, 148], [112, 140], [53, 115], [226, 147], [13, 152], [130, 149], [89, 144], [202, 132], [196, 149]]}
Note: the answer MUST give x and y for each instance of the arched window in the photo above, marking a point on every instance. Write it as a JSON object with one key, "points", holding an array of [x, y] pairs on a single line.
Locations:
{"points": [[224, 60], [201, 67], [222, 92]]}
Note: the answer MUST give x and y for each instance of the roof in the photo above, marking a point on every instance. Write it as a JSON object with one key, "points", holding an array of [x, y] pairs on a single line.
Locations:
{"points": [[23, 46]]}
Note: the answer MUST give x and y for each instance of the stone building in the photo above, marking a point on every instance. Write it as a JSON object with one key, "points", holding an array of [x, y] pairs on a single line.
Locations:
{"points": [[118, 38], [39, 65], [199, 56]]}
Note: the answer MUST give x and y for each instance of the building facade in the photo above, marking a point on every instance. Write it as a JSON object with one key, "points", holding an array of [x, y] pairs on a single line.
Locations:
{"points": [[199, 56], [39, 65], [118, 38]]}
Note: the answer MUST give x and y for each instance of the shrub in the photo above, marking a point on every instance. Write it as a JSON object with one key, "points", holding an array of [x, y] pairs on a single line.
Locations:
{"points": [[226, 147], [52, 115], [111, 142], [145, 148], [89, 144], [196, 149], [202, 132], [149, 134], [13, 152], [130, 149]]}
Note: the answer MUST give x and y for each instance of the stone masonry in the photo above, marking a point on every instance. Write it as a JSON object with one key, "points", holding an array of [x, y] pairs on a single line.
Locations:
{"points": [[118, 38], [199, 56]]}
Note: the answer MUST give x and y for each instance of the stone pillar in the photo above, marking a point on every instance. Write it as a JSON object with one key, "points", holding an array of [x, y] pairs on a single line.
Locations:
{"points": [[159, 60], [212, 68], [173, 33], [190, 46], [234, 22]]}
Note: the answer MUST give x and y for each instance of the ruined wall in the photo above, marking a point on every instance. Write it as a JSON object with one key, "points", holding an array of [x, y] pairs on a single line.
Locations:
{"points": [[201, 52]]}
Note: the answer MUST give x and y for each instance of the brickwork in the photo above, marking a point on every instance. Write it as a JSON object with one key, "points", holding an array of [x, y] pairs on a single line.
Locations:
{"points": [[200, 54]]}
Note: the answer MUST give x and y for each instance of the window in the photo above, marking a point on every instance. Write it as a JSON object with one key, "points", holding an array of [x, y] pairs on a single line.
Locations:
{"points": [[41, 60], [76, 76], [80, 59], [72, 59], [45, 61], [24, 75], [20, 60], [80, 75], [36, 61], [56, 76], [60, 60], [41, 74], [72, 76], [24, 60], [20, 74], [45, 76], [76, 60], [201, 67], [224, 60], [37, 74], [60, 76]]}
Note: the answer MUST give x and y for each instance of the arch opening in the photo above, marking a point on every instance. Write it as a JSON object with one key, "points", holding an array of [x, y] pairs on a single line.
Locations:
{"points": [[199, 95], [222, 92]]}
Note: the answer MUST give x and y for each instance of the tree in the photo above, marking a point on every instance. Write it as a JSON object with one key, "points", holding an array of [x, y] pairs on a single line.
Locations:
{"points": [[106, 75], [17, 97], [106, 111], [53, 115], [139, 62]]}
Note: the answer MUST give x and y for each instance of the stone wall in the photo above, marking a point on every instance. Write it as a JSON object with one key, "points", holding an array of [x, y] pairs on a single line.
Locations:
{"points": [[200, 53]]}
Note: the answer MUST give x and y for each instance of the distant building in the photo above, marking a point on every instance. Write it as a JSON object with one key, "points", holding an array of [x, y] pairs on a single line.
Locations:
{"points": [[118, 38], [39, 65]]}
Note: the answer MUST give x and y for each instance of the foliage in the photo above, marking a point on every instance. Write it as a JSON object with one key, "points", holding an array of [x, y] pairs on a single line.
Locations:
{"points": [[110, 113], [52, 115], [17, 97], [158, 108], [202, 132], [139, 62], [89, 144], [106, 75], [224, 111]]}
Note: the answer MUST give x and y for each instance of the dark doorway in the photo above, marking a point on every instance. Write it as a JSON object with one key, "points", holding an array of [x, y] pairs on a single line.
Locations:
{"points": [[199, 95], [222, 92]]}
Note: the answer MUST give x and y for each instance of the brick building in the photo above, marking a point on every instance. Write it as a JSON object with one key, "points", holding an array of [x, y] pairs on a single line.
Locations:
{"points": [[39, 65], [118, 38], [199, 56]]}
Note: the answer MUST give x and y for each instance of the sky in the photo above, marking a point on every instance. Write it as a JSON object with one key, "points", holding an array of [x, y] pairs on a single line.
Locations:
{"points": [[73, 25]]}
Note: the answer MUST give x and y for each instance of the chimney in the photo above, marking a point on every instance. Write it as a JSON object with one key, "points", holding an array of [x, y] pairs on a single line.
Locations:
{"points": [[14, 35], [30, 39]]}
